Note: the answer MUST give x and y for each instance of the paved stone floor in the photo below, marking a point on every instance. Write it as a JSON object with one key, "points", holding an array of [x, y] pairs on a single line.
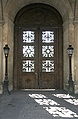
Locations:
{"points": [[54, 104]]}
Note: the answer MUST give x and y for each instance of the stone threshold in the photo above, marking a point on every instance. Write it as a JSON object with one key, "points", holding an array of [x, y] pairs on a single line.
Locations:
{"points": [[38, 89]]}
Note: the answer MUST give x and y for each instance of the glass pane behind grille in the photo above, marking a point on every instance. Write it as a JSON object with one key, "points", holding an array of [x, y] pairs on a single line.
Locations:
{"points": [[47, 66], [28, 51], [28, 66], [48, 51], [28, 36], [48, 37]]}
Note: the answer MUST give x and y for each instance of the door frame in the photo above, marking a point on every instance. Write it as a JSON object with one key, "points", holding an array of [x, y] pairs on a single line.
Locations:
{"points": [[60, 39], [60, 51]]}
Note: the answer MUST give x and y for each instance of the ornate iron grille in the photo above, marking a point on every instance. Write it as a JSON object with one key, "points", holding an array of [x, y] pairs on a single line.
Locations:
{"points": [[47, 66], [28, 51], [28, 36], [28, 66], [48, 51], [48, 37]]}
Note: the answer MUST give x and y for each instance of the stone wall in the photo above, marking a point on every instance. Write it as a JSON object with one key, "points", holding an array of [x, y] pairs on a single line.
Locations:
{"points": [[76, 56], [8, 38], [1, 58], [1, 47], [70, 34]]}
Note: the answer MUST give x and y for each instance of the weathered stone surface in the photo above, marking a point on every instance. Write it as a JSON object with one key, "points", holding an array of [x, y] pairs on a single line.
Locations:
{"points": [[70, 32]]}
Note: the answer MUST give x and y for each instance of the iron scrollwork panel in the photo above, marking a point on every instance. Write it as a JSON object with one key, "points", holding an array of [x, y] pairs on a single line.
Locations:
{"points": [[28, 51], [47, 37], [48, 51], [28, 36], [47, 66], [28, 64]]}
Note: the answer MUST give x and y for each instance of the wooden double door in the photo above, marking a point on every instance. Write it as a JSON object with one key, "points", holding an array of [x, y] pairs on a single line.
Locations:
{"points": [[37, 58]]}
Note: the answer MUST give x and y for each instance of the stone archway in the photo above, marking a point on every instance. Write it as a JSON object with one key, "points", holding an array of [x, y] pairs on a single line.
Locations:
{"points": [[10, 11], [33, 68], [63, 7]]}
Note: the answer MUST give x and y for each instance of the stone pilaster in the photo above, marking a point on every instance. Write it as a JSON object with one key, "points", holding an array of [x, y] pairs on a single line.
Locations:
{"points": [[76, 55], [8, 32], [65, 56], [68, 38], [72, 42], [1, 55]]}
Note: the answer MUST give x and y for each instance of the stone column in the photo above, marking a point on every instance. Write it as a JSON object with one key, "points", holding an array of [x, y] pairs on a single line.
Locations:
{"points": [[65, 56], [1, 44], [68, 38], [72, 42], [1, 55], [8, 32], [76, 56]]}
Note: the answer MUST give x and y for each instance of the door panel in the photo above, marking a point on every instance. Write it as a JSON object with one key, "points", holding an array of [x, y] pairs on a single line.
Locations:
{"points": [[28, 63], [48, 58], [37, 58]]}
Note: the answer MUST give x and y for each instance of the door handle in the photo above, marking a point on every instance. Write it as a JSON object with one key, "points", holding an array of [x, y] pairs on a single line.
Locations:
{"points": [[36, 74]]}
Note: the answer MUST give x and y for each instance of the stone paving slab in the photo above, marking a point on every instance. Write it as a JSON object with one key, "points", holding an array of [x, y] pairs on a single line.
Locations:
{"points": [[39, 105]]}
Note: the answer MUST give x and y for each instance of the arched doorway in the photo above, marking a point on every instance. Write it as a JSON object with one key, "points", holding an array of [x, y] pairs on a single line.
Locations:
{"points": [[38, 60]]}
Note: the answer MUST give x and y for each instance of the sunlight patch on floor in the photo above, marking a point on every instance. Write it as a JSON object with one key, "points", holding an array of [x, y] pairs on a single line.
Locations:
{"points": [[72, 101], [46, 102], [68, 98], [60, 112], [53, 108], [63, 95], [37, 96]]}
